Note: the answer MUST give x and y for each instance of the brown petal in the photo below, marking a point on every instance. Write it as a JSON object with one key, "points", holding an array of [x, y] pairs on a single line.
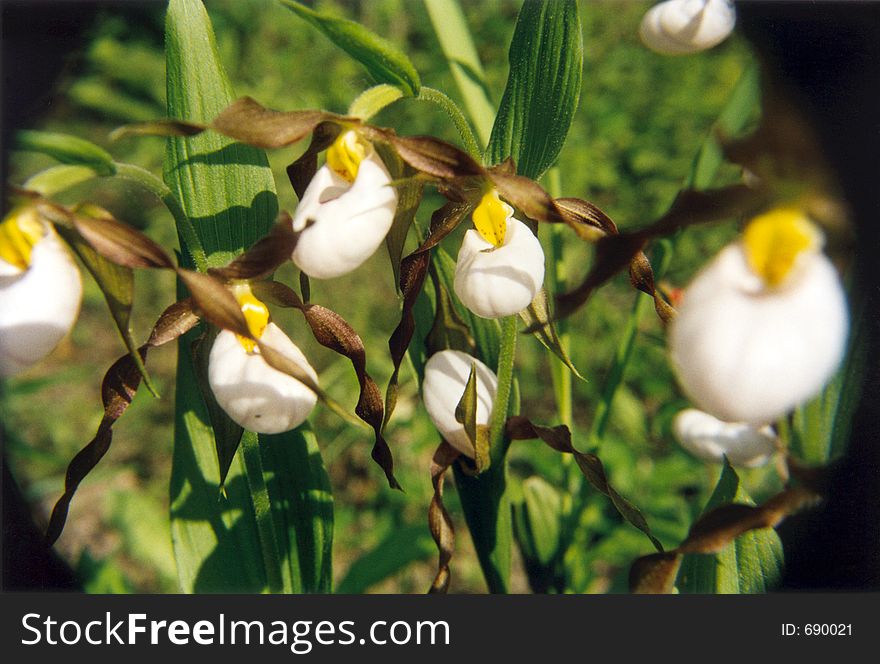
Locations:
{"points": [[117, 391], [528, 196], [711, 533], [265, 256], [439, 520], [246, 120], [559, 438], [333, 332], [435, 157]]}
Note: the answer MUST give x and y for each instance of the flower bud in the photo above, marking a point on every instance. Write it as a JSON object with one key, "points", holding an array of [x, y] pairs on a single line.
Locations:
{"points": [[500, 265], [675, 27], [255, 395], [446, 376], [40, 290], [763, 327], [710, 439], [345, 212]]}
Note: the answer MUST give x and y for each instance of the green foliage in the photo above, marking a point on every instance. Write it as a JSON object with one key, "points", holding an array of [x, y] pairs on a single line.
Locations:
{"points": [[546, 62], [383, 61], [244, 538], [750, 564], [67, 149]]}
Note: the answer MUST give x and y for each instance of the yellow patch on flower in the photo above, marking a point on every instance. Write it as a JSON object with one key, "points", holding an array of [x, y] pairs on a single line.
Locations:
{"points": [[346, 154], [19, 233], [255, 313], [490, 218], [773, 242]]}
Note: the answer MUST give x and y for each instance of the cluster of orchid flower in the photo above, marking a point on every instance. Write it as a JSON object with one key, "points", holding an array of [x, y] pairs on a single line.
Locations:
{"points": [[759, 331], [343, 217]]}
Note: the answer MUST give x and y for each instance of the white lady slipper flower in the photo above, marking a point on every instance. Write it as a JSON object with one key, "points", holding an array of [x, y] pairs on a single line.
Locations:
{"points": [[500, 265], [346, 211], [255, 395], [446, 376], [40, 290], [763, 327], [711, 439], [676, 27]]}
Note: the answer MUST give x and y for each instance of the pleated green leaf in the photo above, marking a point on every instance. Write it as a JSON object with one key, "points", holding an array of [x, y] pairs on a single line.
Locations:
{"points": [[271, 528], [384, 62], [543, 87], [225, 188], [752, 563]]}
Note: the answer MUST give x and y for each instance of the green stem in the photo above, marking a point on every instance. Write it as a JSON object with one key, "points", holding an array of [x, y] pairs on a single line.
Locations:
{"points": [[485, 500], [560, 373], [451, 108], [498, 442], [188, 236], [250, 449], [373, 100]]}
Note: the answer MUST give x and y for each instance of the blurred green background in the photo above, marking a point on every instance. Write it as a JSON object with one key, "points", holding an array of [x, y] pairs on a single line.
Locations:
{"points": [[642, 117]]}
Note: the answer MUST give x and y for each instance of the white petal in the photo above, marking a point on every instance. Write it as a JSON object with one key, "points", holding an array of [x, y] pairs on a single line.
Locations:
{"points": [[711, 439], [446, 375], [38, 306], [344, 223], [747, 354], [501, 281], [687, 26], [252, 393]]}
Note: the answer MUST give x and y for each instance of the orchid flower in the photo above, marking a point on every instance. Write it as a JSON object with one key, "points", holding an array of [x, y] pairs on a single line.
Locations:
{"points": [[255, 395], [676, 27], [346, 211], [711, 439], [763, 327], [40, 290], [446, 376], [500, 265]]}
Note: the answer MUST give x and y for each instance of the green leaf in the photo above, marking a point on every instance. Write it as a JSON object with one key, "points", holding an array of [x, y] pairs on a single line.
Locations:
{"points": [[452, 31], [537, 521], [67, 149], [750, 564], [384, 62], [302, 505], [538, 320], [486, 506], [741, 107], [543, 87], [117, 285], [409, 196], [60, 178], [466, 414], [402, 546], [227, 190], [820, 429]]}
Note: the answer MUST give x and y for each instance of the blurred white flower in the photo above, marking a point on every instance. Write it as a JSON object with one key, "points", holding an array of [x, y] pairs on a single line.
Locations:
{"points": [[255, 395], [500, 265], [710, 439], [675, 27], [40, 290], [763, 327], [446, 376], [346, 211]]}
